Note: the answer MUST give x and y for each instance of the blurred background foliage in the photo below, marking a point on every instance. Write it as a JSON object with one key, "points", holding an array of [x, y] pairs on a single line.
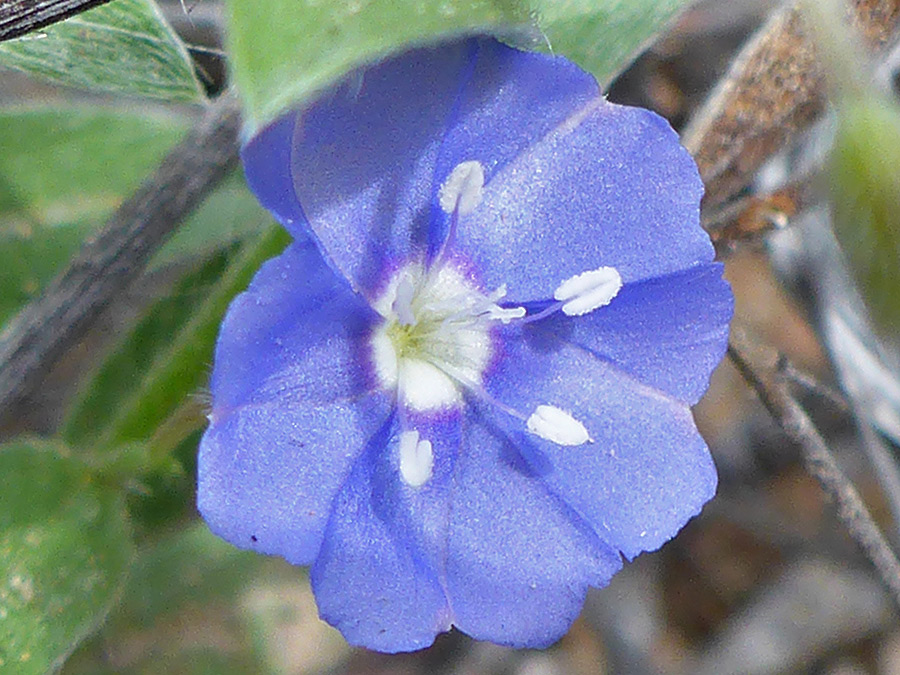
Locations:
{"points": [[104, 565]]}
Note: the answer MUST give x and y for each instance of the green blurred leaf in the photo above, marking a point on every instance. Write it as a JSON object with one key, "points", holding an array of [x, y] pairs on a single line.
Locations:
{"points": [[125, 47], [604, 36], [188, 578], [865, 192], [64, 169], [190, 567], [64, 553], [183, 364], [285, 50], [124, 369], [70, 165]]}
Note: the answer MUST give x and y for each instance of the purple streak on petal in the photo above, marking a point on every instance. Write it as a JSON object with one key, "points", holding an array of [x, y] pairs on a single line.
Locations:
{"points": [[648, 470], [669, 332], [267, 167], [379, 576], [291, 406], [518, 560], [610, 187], [298, 335], [508, 101]]}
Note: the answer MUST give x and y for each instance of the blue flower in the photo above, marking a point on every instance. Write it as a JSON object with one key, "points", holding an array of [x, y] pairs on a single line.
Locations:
{"points": [[462, 394]]}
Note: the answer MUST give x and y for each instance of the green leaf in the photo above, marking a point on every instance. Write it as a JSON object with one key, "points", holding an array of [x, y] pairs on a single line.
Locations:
{"points": [[182, 366], [47, 208], [285, 50], [70, 165], [62, 171], [192, 578], [865, 201], [64, 553], [125, 47], [186, 568], [604, 36]]}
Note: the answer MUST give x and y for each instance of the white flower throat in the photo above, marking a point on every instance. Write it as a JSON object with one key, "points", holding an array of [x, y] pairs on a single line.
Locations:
{"points": [[435, 338]]}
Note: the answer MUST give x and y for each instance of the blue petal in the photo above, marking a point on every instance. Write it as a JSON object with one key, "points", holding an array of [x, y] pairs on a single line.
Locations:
{"points": [[291, 410], [669, 332], [379, 576], [610, 186], [519, 561], [514, 560], [369, 158], [647, 470], [298, 335], [268, 474], [267, 167], [507, 101]]}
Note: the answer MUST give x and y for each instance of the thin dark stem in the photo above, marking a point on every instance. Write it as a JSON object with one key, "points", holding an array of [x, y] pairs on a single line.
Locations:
{"points": [[879, 454], [761, 372], [791, 373], [18, 17], [47, 328]]}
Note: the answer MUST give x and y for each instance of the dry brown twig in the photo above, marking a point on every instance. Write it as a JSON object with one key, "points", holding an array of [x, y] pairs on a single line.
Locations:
{"points": [[43, 331], [773, 89], [761, 367]]}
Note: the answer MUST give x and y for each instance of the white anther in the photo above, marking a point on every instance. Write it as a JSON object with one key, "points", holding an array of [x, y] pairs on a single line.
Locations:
{"points": [[558, 426], [463, 188], [587, 291], [402, 305], [416, 459]]}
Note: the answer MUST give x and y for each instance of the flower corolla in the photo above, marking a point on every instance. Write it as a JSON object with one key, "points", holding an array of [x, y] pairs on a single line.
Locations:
{"points": [[462, 395]]}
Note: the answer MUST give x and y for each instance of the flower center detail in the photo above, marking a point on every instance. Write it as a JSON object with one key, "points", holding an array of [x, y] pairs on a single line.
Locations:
{"points": [[435, 335]]}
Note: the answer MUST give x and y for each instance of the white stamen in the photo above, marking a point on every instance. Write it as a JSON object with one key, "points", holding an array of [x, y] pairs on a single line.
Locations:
{"points": [[558, 426], [402, 305], [505, 315], [587, 291], [416, 459], [436, 323], [463, 188]]}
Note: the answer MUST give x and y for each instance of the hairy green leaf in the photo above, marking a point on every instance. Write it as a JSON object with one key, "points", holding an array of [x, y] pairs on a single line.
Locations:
{"points": [[285, 50], [64, 552], [125, 47]]}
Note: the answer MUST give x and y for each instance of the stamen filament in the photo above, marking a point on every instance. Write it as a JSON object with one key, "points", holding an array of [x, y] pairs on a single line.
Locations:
{"points": [[544, 313]]}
